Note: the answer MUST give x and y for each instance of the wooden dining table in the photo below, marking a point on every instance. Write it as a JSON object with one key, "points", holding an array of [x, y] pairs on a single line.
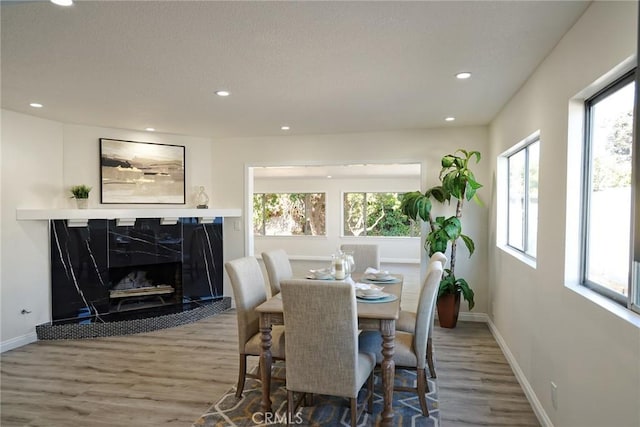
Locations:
{"points": [[371, 316]]}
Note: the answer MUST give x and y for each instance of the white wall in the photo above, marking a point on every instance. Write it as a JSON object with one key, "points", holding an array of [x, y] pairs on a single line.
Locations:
{"points": [[32, 176], [552, 332]]}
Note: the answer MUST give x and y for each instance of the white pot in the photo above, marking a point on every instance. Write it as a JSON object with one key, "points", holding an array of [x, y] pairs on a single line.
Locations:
{"points": [[82, 203]]}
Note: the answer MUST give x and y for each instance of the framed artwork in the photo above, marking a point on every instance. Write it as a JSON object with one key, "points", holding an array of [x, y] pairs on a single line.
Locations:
{"points": [[141, 172]]}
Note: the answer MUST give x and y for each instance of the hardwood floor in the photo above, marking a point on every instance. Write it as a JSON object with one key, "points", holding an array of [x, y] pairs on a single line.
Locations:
{"points": [[170, 377], [476, 386]]}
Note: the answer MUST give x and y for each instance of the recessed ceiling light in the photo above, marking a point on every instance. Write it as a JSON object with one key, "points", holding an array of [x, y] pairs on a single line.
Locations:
{"points": [[463, 75], [450, 119], [285, 127], [223, 93], [36, 105], [150, 129], [62, 2], [329, 176]]}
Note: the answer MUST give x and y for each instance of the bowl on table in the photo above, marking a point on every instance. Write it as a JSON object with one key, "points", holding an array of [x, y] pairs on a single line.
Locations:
{"points": [[322, 274]]}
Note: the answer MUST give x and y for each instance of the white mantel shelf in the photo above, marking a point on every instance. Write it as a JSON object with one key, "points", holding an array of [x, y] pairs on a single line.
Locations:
{"points": [[86, 214]]}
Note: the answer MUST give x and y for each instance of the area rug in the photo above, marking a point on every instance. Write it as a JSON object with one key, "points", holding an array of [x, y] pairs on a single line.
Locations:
{"points": [[326, 410]]}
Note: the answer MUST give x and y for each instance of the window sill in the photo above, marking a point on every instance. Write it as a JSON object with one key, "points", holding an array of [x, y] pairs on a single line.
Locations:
{"points": [[612, 307], [531, 262]]}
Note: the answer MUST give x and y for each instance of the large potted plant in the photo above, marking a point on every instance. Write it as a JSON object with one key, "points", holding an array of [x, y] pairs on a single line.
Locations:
{"points": [[457, 182]]}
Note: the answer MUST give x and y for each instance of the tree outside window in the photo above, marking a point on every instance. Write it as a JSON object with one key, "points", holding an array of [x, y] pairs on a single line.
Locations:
{"points": [[376, 214], [289, 214]]}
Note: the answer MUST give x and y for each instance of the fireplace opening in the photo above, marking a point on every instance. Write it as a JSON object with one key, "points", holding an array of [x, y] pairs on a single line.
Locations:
{"points": [[144, 286]]}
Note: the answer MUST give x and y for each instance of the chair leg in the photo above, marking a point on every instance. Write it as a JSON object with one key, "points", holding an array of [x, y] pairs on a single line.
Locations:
{"points": [[422, 391], [370, 389], [432, 368], [354, 411], [290, 407], [242, 372]]}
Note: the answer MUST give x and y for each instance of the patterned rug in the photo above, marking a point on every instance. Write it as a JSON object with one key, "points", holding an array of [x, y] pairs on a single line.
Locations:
{"points": [[326, 410]]}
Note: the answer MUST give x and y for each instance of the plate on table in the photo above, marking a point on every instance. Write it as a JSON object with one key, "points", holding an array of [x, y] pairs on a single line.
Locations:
{"points": [[386, 298], [372, 296], [381, 280]]}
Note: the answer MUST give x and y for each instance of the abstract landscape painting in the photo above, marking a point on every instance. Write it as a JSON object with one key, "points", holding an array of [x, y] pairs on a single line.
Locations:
{"points": [[141, 172]]}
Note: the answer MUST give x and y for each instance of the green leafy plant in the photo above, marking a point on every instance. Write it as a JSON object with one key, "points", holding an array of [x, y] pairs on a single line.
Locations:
{"points": [[457, 182], [80, 191]]}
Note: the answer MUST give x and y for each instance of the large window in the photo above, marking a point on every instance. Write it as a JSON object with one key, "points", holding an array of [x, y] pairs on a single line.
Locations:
{"points": [[376, 214], [522, 187], [607, 193], [289, 214]]}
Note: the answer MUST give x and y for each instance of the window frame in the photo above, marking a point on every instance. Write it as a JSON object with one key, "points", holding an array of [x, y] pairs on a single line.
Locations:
{"points": [[587, 187], [522, 146]]}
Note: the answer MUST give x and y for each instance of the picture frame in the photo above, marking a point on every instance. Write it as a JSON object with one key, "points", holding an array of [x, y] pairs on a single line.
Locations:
{"points": [[141, 172]]}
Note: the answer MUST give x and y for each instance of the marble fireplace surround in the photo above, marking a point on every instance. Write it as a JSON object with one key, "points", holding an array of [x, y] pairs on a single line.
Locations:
{"points": [[91, 248]]}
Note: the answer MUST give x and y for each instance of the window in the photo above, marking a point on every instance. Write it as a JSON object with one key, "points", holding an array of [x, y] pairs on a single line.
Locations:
{"points": [[607, 196], [522, 188], [376, 214], [289, 214]]}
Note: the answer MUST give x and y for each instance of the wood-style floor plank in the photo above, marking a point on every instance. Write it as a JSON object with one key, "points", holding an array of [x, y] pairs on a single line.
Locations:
{"points": [[170, 377]]}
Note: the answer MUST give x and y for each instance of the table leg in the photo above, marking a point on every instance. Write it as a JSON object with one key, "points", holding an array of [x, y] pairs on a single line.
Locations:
{"points": [[265, 363], [388, 329]]}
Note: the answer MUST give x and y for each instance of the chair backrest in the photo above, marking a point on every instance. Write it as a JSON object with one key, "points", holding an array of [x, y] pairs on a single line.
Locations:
{"points": [[322, 335], [364, 256], [278, 268], [426, 307], [249, 291], [438, 256]]}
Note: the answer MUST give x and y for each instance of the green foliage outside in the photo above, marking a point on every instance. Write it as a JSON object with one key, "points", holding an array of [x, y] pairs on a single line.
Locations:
{"points": [[376, 214], [612, 169], [289, 214]]}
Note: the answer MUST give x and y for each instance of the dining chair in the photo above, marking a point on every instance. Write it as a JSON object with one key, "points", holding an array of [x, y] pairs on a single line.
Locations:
{"points": [[363, 256], [278, 267], [249, 291], [322, 348], [407, 319], [411, 348]]}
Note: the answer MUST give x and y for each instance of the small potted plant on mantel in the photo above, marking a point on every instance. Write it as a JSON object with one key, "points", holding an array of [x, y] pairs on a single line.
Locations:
{"points": [[457, 182], [81, 194]]}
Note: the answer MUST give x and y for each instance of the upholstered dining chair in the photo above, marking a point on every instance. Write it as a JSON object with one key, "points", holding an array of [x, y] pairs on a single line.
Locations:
{"points": [[249, 291], [363, 256], [322, 349], [278, 267], [411, 349], [407, 319]]}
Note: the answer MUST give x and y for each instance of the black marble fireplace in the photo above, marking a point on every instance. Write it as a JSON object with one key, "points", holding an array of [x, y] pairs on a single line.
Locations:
{"points": [[107, 270]]}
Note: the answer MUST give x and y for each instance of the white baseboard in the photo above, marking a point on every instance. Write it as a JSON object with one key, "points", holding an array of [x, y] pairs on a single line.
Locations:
{"points": [[538, 409], [18, 342]]}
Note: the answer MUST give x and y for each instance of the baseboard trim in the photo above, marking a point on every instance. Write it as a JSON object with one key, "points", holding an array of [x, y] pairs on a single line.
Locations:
{"points": [[538, 409], [18, 342]]}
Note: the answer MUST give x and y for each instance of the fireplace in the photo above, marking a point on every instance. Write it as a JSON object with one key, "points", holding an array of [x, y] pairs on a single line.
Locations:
{"points": [[105, 268], [144, 286]]}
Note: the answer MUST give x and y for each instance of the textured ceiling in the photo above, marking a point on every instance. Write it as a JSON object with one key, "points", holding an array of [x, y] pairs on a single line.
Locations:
{"points": [[320, 67]]}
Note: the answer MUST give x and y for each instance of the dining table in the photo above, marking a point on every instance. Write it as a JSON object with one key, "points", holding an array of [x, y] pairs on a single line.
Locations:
{"points": [[372, 315]]}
